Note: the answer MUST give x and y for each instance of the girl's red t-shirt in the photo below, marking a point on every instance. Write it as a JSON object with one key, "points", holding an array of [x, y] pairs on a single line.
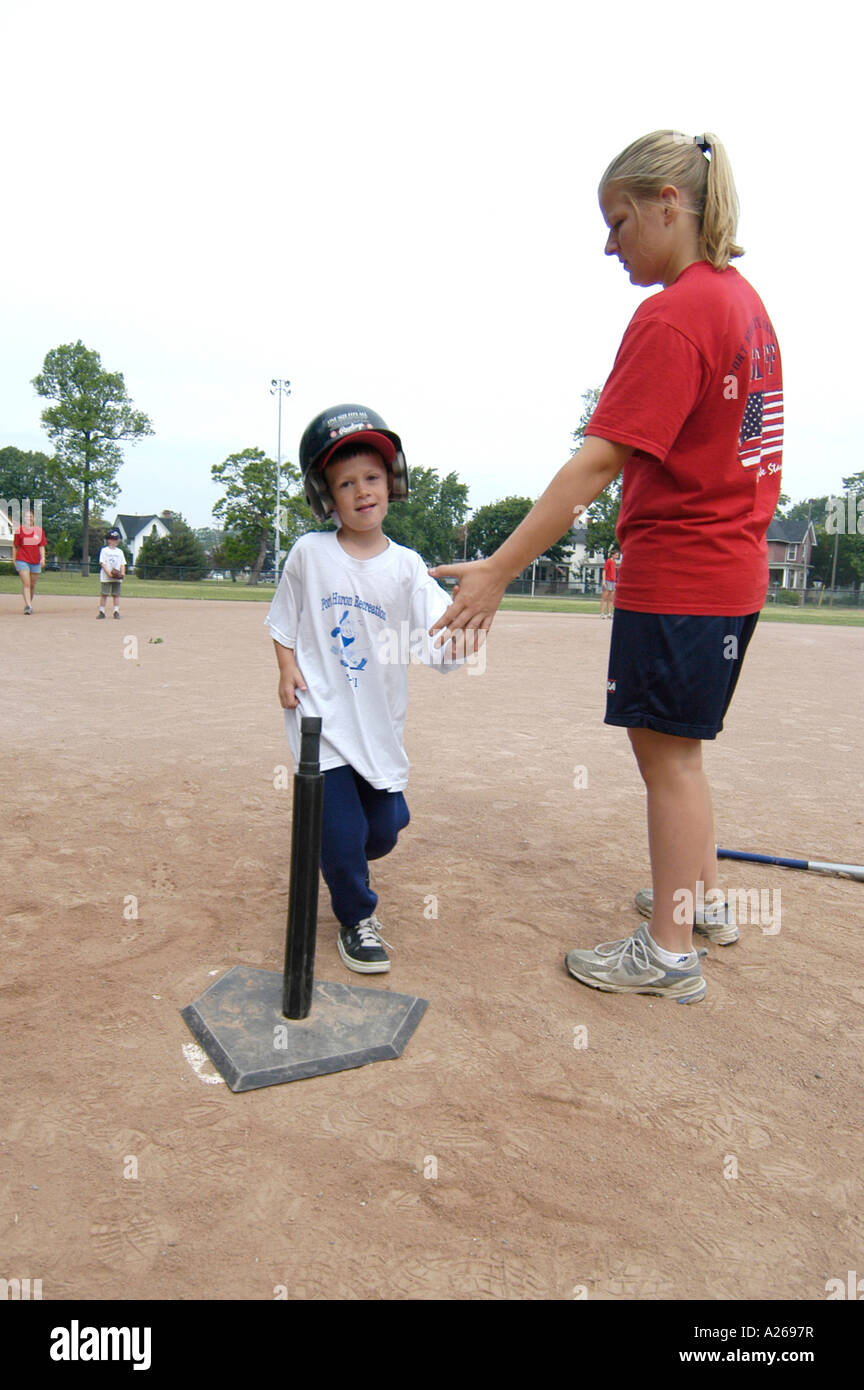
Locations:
{"points": [[28, 542], [697, 390]]}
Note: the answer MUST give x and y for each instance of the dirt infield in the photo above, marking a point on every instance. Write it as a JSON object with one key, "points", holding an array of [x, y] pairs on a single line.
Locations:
{"points": [[537, 1140]]}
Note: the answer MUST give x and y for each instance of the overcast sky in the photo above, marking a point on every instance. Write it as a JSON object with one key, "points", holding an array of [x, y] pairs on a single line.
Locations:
{"points": [[395, 203]]}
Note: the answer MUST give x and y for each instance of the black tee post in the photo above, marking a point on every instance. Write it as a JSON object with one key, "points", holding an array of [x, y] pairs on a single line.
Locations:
{"points": [[305, 858]]}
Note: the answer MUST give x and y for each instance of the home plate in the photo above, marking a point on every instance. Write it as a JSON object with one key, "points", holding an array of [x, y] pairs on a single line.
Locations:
{"points": [[240, 1025]]}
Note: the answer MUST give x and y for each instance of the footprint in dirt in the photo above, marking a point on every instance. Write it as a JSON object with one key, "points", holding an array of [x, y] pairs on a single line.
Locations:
{"points": [[161, 879]]}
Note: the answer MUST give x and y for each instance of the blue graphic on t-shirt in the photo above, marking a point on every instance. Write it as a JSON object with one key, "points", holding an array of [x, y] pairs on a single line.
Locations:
{"points": [[346, 636]]}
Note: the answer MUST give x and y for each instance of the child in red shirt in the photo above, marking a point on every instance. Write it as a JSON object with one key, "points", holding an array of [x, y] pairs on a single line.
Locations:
{"points": [[610, 574], [28, 552], [693, 413]]}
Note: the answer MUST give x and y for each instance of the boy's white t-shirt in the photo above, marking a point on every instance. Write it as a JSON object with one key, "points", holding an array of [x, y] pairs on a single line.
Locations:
{"points": [[353, 626], [113, 559]]}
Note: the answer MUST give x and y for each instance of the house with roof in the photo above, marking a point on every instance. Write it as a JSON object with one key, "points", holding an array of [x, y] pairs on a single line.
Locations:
{"points": [[581, 570], [7, 531], [790, 546], [135, 529], [586, 566]]}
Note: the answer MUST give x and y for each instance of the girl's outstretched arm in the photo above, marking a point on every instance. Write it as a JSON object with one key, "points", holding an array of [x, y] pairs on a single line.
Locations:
{"points": [[481, 583]]}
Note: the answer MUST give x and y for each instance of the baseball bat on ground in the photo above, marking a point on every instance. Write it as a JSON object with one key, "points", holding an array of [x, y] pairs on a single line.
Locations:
{"points": [[817, 866]]}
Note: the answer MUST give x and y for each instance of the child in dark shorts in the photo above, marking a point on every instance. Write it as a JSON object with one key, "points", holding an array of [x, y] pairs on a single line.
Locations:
{"points": [[112, 568], [693, 413]]}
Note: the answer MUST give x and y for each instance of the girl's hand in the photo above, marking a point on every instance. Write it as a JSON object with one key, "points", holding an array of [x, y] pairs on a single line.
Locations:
{"points": [[476, 596]]}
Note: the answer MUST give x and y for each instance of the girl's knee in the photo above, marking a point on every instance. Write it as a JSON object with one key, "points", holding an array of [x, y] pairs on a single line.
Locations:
{"points": [[662, 756]]}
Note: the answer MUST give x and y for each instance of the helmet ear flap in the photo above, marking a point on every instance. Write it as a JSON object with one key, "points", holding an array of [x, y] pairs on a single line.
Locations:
{"points": [[399, 477], [317, 494]]}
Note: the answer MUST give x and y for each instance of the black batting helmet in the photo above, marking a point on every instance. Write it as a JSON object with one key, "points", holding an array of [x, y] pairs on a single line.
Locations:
{"points": [[341, 425]]}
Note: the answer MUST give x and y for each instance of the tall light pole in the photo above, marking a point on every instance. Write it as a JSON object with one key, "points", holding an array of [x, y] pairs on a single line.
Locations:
{"points": [[279, 388]]}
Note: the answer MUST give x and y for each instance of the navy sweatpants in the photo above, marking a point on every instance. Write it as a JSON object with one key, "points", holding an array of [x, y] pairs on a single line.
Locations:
{"points": [[359, 823]]}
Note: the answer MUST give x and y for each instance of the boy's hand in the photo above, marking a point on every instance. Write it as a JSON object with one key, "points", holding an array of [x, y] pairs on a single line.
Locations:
{"points": [[476, 597], [290, 683]]}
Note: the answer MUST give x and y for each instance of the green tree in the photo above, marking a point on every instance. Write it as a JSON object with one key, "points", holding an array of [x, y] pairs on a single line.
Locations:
{"points": [[589, 405], [91, 416], [815, 508], [232, 554], [37, 480], [491, 525], [427, 520], [64, 547], [248, 508], [601, 519], [209, 537], [179, 555]]}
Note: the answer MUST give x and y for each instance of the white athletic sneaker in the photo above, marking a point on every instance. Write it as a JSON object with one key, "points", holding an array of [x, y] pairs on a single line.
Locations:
{"points": [[632, 965]]}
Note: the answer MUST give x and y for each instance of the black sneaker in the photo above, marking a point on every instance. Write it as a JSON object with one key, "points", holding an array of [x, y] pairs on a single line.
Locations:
{"points": [[362, 949], [101, 613]]}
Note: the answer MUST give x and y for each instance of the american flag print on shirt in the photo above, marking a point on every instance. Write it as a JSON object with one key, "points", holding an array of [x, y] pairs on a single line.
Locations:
{"points": [[761, 434]]}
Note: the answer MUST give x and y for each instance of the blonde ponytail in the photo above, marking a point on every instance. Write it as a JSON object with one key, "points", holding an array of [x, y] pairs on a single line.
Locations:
{"points": [[700, 168]]}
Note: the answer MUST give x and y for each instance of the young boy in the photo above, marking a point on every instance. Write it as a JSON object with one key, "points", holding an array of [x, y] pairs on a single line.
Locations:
{"points": [[112, 568], [350, 610]]}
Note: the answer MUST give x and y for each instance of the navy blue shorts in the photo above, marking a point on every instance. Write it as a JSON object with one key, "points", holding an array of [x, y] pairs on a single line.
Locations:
{"points": [[674, 672]]}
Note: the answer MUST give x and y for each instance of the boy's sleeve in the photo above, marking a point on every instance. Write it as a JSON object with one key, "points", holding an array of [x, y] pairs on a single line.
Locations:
{"points": [[284, 616], [428, 602]]}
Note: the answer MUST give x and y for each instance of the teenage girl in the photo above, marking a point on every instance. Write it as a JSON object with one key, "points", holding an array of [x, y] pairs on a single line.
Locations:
{"points": [[693, 414], [28, 551]]}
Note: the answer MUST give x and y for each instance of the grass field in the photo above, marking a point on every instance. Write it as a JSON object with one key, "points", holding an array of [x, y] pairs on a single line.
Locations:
{"points": [[73, 585]]}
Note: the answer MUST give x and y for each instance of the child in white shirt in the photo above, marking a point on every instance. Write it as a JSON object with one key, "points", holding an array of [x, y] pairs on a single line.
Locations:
{"points": [[351, 609], [112, 568]]}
